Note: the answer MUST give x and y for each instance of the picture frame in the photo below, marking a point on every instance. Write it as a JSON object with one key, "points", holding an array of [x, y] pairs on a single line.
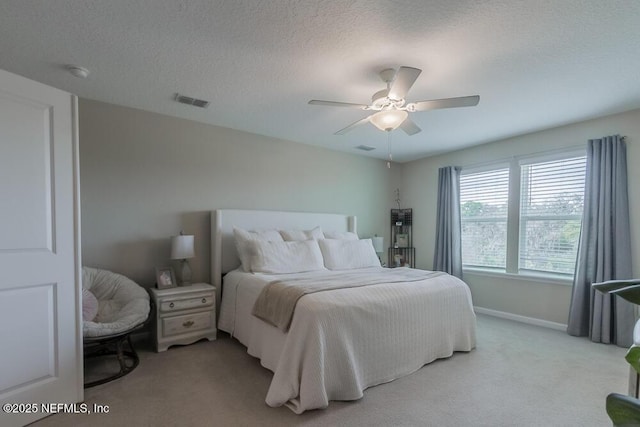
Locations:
{"points": [[402, 240], [165, 278]]}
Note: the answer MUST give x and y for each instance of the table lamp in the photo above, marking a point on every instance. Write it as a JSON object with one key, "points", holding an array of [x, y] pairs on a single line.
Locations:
{"points": [[182, 248]]}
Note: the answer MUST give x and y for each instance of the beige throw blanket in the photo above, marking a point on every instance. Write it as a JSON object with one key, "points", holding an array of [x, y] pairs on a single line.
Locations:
{"points": [[278, 299]]}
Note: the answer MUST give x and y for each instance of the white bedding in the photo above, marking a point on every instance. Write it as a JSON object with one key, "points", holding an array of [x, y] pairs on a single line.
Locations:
{"points": [[342, 341]]}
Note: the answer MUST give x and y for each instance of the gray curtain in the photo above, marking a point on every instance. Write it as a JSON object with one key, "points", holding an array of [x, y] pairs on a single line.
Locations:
{"points": [[448, 252], [605, 247]]}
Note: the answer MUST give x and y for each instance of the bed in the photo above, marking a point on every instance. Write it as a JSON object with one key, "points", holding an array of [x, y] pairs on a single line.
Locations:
{"points": [[338, 342]]}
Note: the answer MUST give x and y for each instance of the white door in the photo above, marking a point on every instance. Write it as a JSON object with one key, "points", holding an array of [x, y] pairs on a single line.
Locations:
{"points": [[40, 271]]}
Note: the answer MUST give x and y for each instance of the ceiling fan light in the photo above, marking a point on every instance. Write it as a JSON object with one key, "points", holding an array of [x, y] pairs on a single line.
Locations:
{"points": [[389, 120]]}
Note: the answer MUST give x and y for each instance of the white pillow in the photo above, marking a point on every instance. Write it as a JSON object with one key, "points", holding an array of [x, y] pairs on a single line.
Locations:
{"points": [[297, 235], [89, 305], [348, 254], [285, 257], [342, 235], [243, 237]]}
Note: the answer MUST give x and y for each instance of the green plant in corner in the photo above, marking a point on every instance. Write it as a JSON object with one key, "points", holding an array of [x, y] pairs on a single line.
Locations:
{"points": [[625, 410]]}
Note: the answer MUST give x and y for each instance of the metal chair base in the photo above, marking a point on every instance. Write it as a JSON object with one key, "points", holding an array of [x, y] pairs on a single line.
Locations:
{"points": [[112, 346]]}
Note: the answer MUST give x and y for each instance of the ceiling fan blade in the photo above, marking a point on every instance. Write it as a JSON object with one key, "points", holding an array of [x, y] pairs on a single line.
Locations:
{"points": [[434, 104], [405, 78], [353, 125], [410, 127], [337, 104]]}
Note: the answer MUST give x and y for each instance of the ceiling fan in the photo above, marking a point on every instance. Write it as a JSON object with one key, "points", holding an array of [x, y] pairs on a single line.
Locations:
{"points": [[388, 105]]}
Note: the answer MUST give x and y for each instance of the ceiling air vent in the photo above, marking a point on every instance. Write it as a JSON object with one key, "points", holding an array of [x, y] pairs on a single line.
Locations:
{"points": [[365, 147], [191, 101]]}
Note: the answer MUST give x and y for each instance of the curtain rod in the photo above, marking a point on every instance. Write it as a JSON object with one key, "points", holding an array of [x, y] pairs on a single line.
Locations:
{"points": [[537, 153], [534, 154]]}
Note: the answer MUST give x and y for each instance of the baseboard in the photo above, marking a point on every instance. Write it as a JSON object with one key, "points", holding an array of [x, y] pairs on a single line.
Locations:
{"points": [[521, 319]]}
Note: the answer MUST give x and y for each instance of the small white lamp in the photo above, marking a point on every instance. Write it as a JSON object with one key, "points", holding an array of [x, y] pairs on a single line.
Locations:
{"points": [[378, 245], [182, 248]]}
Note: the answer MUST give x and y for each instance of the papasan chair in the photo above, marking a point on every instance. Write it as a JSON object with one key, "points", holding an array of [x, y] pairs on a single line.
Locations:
{"points": [[113, 306]]}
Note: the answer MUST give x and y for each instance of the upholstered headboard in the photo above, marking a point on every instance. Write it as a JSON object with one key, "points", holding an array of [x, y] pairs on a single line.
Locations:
{"points": [[224, 256]]}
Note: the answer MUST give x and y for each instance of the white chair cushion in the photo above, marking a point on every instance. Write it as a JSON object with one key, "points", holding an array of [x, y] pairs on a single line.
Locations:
{"points": [[122, 303]]}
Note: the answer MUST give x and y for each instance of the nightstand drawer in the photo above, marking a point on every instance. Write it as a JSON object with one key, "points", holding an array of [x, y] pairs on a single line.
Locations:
{"points": [[186, 303], [190, 322]]}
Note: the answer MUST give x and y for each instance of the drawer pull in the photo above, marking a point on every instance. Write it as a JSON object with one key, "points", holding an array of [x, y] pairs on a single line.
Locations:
{"points": [[204, 300], [188, 324], [171, 305]]}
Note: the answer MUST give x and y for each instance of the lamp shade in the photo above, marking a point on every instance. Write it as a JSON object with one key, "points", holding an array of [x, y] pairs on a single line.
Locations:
{"points": [[388, 120], [378, 244], [182, 247]]}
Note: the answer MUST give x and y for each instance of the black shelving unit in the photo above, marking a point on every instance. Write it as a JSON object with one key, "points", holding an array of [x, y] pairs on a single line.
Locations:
{"points": [[401, 252]]}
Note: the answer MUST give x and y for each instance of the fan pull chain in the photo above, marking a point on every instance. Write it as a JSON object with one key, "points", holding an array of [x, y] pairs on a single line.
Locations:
{"points": [[389, 150]]}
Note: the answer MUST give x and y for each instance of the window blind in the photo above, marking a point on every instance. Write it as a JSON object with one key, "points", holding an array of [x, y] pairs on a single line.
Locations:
{"points": [[484, 198], [551, 205]]}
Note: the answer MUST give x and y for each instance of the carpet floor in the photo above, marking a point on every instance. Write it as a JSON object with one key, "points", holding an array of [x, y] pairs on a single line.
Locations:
{"points": [[519, 375]]}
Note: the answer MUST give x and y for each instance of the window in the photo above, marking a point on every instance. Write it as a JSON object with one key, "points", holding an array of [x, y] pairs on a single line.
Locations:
{"points": [[525, 216], [551, 202], [483, 207]]}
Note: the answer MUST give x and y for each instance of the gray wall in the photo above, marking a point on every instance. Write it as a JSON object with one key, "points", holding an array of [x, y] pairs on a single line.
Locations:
{"points": [[145, 177], [532, 298]]}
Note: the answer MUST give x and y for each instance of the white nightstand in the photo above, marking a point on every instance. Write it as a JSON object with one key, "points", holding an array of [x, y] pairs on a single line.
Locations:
{"points": [[184, 315]]}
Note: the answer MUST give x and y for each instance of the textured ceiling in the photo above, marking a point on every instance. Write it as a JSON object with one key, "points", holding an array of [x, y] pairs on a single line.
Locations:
{"points": [[535, 64]]}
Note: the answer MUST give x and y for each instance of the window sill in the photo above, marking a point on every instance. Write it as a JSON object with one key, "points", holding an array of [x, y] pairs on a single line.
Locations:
{"points": [[527, 277]]}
